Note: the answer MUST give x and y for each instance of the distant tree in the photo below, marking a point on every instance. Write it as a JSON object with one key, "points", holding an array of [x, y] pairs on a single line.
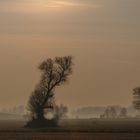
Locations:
{"points": [[113, 113], [55, 72], [106, 113], [61, 111], [110, 112], [136, 99], [123, 113]]}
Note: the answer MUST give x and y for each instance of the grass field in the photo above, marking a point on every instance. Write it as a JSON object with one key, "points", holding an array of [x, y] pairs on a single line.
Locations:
{"points": [[92, 129]]}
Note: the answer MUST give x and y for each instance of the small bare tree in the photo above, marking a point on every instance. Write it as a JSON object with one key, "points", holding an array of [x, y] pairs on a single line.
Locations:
{"points": [[110, 113], [61, 111], [123, 113], [55, 72]]}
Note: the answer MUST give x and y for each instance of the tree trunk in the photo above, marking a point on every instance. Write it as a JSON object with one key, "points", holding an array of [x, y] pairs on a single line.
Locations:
{"points": [[40, 114]]}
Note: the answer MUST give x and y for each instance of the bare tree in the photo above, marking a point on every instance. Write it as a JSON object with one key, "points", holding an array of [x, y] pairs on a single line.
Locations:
{"points": [[110, 112], [61, 111], [123, 113], [136, 99], [106, 113], [55, 72], [113, 112]]}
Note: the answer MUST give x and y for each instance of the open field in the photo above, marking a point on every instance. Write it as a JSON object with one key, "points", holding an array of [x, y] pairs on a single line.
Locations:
{"points": [[69, 136], [92, 129]]}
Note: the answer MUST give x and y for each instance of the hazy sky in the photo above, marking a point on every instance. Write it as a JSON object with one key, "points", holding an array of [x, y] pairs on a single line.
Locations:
{"points": [[102, 35]]}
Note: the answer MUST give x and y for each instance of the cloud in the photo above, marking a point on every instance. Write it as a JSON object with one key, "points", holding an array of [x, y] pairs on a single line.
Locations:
{"points": [[40, 5]]}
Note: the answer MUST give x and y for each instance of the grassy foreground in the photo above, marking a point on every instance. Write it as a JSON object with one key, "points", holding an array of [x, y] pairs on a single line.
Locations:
{"points": [[91, 129]]}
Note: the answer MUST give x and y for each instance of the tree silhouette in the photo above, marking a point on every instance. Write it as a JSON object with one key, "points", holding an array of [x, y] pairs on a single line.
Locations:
{"points": [[61, 111], [136, 99], [54, 73], [110, 112], [123, 113]]}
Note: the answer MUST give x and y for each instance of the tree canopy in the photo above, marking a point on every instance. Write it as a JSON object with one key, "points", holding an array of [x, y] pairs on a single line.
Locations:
{"points": [[54, 72]]}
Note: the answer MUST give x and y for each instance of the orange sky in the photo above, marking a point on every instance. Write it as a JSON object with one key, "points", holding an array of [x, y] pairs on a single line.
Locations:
{"points": [[103, 36]]}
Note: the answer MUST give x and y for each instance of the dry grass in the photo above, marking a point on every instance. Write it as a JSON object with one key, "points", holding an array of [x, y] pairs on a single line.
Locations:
{"points": [[68, 136], [74, 130]]}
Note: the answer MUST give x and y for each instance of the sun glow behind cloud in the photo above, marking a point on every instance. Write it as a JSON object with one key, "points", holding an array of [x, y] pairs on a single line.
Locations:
{"points": [[61, 3], [36, 5]]}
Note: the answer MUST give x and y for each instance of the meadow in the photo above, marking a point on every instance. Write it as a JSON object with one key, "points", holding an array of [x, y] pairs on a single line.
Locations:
{"points": [[90, 129]]}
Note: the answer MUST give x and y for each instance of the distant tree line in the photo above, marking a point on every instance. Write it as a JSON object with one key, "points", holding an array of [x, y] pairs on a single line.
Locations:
{"points": [[19, 110], [115, 111], [111, 113]]}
